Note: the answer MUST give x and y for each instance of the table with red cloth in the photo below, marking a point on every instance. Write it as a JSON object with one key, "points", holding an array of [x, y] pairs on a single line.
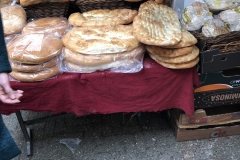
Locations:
{"points": [[154, 88]]}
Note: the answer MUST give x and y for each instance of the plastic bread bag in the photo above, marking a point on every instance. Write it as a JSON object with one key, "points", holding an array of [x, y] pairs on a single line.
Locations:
{"points": [[14, 18], [10, 38], [214, 27], [230, 16], [45, 74], [220, 5], [34, 48], [124, 62], [194, 15], [26, 3], [235, 26], [22, 67], [51, 25]]}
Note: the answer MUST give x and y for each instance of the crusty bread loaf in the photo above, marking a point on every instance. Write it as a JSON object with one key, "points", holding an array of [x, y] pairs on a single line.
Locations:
{"points": [[180, 59], [35, 76], [189, 64], [102, 17], [157, 24], [101, 40], [5, 2], [14, 19], [26, 3], [100, 59], [34, 48], [187, 40], [53, 25], [21, 67], [169, 53]]}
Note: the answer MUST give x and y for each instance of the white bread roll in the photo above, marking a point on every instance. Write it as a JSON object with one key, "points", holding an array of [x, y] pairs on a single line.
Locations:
{"points": [[34, 48], [214, 28], [229, 16], [14, 19], [52, 25]]}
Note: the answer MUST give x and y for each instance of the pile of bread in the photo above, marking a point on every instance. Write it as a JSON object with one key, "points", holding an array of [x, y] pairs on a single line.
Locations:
{"points": [[212, 18], [102, 39], [34, 53], [167, 43]]}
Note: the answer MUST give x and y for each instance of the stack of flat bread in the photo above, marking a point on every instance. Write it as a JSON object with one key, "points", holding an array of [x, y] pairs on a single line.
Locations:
{"points": [[157, 25], [102, 17], [32, 58], [90, 49]]}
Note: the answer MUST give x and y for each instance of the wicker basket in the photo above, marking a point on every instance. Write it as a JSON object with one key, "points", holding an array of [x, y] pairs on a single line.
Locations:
{"points": [[229, 42], [87, 5], [47, 10]]}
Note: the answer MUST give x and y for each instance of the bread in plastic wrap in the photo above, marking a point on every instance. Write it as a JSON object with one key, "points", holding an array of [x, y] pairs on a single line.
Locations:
{"points": [[194, 15], [220, 5], [35, 76], [32, 2], [14, 19], [214, 27], [52, 25], [21, 67], [34, 48], [124, 62]]}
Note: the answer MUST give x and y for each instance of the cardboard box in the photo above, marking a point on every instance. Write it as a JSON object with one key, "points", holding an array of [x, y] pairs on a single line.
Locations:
{"points": [[218, 88], [202, 131], [213, 61]]}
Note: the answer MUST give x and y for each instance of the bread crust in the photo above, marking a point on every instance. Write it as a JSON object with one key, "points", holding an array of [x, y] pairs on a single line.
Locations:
{"points": [[52, 25], [34, 48], [102, 17], [35, 76], [157, 24], [100, 40], [95, 60], [169, 53]]}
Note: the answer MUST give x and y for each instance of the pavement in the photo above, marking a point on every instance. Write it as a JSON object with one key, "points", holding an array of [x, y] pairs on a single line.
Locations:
{"points": [[116, 137]]}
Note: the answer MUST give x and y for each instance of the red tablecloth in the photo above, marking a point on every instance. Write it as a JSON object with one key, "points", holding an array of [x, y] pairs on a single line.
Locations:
{"points": [[153, 89]]}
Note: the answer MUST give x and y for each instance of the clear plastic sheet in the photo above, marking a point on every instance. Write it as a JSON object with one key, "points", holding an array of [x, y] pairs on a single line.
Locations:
{"points": [[52, 25], [34, 48], [194, 15], [214, 27], [124, 62], [230, 16], [220, 5], [14, 18], [10, 38], [21, 67], [71, 143]]}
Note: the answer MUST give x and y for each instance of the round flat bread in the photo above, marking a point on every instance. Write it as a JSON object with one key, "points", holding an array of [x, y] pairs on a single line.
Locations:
{"points": [[101, 40], [180, 59], [35, 76], [189, 64], [34, 48], [100, 59], [33, 67], [169, 53], [102, 17], [187, 40], [157, 24], [13, 18], [52, 25]]}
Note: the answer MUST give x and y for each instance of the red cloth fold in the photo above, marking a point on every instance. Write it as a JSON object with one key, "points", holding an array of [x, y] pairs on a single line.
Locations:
{"points": [[153, 89]]}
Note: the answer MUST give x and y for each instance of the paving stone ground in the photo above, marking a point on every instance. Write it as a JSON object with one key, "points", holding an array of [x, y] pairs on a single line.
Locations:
{"points": [[114, 137]]}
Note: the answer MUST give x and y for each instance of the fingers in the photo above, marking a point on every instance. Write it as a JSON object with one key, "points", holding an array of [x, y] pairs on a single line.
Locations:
{"points": [[6, 99]]}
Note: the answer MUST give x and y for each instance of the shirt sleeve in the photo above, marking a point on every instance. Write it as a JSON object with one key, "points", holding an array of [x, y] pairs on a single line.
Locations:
{"points": [[4, 62]]}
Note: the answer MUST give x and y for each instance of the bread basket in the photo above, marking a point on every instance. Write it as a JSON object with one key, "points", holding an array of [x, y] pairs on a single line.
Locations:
{"points": [[87, 5], [42, 10]]}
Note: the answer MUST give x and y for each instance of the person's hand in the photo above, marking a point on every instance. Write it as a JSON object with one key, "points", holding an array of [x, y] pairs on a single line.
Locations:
{"points": [[7, 94]]}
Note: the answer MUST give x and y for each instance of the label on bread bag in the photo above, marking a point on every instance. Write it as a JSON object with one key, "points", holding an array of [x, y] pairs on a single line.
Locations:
{"points": [[35, 42]]}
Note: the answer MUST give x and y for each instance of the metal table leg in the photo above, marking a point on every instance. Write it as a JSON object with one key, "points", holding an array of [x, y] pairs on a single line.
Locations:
{"points": [[26, 133]]}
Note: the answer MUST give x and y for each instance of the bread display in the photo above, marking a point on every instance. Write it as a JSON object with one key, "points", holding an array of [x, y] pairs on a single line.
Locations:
{"points": [[14, 19], [102, 17], [35, 76], [157, 24], [100, 40], [34, 48], [52, 25], [194, 15]]}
